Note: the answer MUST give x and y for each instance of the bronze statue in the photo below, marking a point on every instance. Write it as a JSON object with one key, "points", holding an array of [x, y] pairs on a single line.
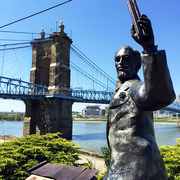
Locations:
{"points": [[130, 130]]}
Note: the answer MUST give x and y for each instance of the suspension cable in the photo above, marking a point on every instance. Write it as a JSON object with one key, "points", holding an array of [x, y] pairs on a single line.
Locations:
{"points": [[15, 48], [35, 14], [13, 40], [15, 44], [19, 32], [3, 60], [18, 64], [91, 63], [88, 75]]}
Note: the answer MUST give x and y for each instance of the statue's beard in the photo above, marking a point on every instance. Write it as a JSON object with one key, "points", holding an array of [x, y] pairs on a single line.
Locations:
{"points": [[125, 75], [122, 76]]}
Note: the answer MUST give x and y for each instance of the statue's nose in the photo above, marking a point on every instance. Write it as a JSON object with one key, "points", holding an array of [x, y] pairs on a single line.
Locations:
{"points": [[121, 60]]}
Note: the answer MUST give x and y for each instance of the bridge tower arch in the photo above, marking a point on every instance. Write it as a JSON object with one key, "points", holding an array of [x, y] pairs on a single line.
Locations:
{"points": [[44, 67], [50, 67]]}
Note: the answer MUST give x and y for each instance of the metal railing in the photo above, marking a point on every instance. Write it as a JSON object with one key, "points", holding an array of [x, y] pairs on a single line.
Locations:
{"points": [[174, 107], [18, 89], [92, 96]]}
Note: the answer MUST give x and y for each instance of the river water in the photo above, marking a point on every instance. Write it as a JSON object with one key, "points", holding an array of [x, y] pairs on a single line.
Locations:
{"points": [[92, 136]]}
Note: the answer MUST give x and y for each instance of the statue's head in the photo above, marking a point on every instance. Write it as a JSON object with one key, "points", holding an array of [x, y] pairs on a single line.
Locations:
{"points": [[127, 63]]}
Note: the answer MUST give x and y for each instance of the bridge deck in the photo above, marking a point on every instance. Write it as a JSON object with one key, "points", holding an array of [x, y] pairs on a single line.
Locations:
{"points": [[17, 89]]}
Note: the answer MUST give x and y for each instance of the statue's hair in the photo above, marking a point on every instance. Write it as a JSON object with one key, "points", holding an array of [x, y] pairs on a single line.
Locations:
{"points": [[133, 52]]}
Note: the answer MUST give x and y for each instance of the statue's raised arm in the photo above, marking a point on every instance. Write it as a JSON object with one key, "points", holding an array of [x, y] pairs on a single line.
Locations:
{"points": [[157, 88]]}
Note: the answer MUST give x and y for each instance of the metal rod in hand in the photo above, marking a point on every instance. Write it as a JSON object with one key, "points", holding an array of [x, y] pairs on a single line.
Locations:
{"points": [[135, 15]]}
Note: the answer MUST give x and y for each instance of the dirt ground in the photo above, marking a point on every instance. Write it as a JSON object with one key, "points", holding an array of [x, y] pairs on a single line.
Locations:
{"points": [[97, 162]]}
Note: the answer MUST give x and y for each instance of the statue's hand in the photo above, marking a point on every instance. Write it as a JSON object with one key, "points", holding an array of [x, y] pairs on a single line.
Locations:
{"points": [[146, 40]]}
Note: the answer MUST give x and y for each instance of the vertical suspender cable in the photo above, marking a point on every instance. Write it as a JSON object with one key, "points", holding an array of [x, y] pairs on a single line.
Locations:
{"points": [[18, 64], [3, 60]]}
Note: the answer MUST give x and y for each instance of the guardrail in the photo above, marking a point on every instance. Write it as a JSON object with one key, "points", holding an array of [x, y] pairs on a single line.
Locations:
{"points": [[18, 89], [92, 96]]}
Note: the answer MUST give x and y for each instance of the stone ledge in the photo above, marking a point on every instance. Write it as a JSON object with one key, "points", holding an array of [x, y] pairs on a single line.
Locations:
{"points": [[90, 153]]}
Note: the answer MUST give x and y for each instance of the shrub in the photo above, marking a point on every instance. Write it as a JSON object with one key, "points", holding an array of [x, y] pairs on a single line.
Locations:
{"points": [[20, 154], [171, 157], [100, 176], [106, 155]]}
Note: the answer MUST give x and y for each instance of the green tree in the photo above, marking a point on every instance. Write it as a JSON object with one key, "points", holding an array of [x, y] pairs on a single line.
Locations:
{"points": [[4, 116]]}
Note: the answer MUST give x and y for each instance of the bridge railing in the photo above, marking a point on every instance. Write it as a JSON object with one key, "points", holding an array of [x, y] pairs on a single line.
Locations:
{"points": [[15, 87], [104, 97], [174, 107], [92, 96]]}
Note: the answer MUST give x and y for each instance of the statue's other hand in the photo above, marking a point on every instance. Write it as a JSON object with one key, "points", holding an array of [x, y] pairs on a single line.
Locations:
{"points": [[146, 39]]}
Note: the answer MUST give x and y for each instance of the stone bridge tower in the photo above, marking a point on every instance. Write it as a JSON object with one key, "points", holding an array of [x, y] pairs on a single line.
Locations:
{"points": [[50, 67]]}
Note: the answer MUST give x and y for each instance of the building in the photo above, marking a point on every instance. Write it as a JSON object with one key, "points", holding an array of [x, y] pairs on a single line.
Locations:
{"points": [[102, 112], [91, 110], [75, 113], [178, 98], [106, 110]]}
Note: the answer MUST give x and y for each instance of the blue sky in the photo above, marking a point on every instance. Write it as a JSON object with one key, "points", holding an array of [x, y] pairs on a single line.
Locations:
{"points": [[98, 28]]}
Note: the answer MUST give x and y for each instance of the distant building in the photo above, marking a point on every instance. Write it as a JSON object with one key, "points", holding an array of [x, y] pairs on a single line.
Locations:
{"points": [[160, 113], [163, 113], [102, 112], [75, 113], [178, 98], [106, 110], [91, 110]]}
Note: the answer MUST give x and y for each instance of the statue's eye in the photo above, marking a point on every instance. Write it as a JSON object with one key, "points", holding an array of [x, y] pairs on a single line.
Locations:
{"points": [[126, 57], [117, 59]]}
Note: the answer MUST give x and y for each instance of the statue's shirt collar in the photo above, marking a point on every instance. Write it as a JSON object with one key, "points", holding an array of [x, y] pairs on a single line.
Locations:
{"points": [[121, 94]]}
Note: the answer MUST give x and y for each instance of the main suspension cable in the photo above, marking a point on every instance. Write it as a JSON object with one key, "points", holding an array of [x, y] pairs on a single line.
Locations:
{"points": [[35, 14]]}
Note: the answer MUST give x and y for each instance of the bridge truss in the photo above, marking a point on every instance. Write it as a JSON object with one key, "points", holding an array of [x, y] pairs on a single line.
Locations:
{"points": [[11, 88], [90, 96], [17, 89]]}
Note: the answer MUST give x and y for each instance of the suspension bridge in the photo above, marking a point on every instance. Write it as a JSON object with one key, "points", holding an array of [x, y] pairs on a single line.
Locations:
{"points": [[17, 89], [89, 83], [99, 90], [56, 81]]}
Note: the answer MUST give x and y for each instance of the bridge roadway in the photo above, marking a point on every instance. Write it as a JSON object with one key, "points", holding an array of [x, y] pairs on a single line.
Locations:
{"points": [[17, 89]]}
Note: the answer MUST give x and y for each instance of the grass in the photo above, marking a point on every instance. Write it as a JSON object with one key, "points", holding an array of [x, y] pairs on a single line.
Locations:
{"points": [[86, 119], [166, 120], [161, 120]]}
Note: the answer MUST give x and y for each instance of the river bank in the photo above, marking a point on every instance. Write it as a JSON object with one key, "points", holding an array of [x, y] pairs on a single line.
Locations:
{"points": [[104, 120], [99, 120], [85, 121]]}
